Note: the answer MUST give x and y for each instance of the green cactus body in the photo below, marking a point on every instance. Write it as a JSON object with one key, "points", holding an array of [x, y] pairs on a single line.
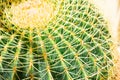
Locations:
{"points": [[71, 44]]}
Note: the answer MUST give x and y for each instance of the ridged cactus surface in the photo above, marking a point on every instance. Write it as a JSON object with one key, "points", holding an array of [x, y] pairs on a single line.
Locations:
{"points": [[53, 40]]}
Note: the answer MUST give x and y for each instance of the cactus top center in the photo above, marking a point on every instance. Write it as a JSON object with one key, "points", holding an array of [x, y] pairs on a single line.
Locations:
{"points": [[31, 13]]}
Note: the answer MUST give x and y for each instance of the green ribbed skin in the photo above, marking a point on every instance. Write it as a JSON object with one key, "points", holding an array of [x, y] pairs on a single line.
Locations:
{"points": [[75, 45]]}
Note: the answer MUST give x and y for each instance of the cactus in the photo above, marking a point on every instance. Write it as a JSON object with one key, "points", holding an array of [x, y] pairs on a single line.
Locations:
{"points": [[53, 40]]}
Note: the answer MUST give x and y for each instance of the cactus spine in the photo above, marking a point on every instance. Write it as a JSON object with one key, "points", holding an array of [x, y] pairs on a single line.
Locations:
{"points": [[70, 42]]}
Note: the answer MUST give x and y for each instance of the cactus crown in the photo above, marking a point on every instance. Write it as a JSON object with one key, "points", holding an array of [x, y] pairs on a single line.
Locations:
{"points": [[53, 40], [31, 13]]}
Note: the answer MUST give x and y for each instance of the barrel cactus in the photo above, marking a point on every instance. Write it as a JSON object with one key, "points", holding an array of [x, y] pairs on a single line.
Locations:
{"points": [[53, 40]]}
